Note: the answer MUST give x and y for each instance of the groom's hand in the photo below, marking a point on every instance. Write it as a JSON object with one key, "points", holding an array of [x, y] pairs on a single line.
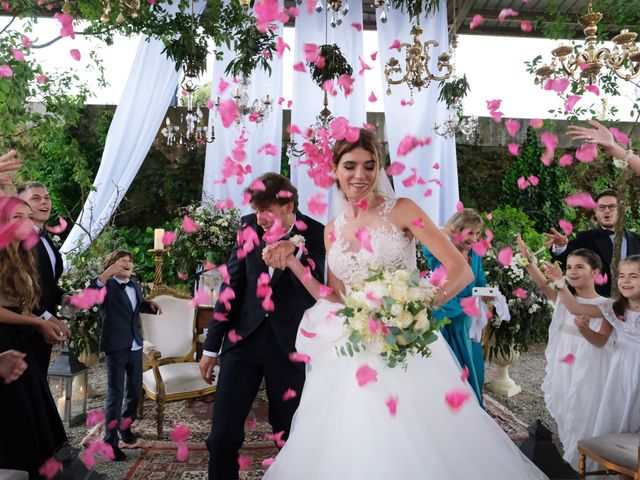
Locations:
{"points": [[207, 365], [275, 255]]}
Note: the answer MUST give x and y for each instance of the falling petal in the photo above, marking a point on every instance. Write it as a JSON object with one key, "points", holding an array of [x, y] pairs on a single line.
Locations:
{"points": [[61, 227], [476, 21], [289, 394], [392, 404], [365, 374], [520, 293], [601, 279], [568, 359], [514, 149], [299, 357], [456, 398], [75, 54], [244, 462], [583, 200]]}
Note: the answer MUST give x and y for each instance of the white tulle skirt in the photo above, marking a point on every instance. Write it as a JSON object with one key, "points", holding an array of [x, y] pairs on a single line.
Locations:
{"points": [[344, 431]]}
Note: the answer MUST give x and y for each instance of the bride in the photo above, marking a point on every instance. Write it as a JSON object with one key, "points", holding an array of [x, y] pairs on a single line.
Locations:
{"points": [[400, 425]]}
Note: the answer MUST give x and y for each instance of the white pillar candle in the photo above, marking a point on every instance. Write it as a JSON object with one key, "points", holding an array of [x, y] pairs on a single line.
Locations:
{"points": [[158, 233]]}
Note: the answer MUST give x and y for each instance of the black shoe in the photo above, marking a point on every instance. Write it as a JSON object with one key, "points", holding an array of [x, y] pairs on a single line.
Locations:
{"points": [[118, 455], [128, 437]]}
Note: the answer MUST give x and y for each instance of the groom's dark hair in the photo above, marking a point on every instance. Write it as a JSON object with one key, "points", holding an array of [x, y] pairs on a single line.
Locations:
{"points": [[278, 189]]}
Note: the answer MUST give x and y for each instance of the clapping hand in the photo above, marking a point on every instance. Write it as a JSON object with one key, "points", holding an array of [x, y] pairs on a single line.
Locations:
{"points": [[552, 271], [555, 238], [8, 164], [600, 134], [582, 323], [523, 248], [12, 365], [276, 254]]}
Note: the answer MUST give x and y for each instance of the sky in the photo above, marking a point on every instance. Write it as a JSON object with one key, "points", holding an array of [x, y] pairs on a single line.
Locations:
{"points": [[493, 71]]}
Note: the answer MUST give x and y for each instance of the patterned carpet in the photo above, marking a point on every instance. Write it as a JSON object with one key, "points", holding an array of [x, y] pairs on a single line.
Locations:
{"points": [[158, 460]]}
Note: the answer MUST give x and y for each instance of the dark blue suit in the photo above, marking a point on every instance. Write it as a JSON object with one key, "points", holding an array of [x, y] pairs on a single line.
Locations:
{"points": [[120, 327], [267, 340]]}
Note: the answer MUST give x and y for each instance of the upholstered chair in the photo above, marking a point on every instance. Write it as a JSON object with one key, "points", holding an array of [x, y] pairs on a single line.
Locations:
{"points": [[618, 453], [170, 372]]}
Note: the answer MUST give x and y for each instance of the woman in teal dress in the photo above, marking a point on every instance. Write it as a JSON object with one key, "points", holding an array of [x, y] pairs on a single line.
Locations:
{"points": [[464, 228]]}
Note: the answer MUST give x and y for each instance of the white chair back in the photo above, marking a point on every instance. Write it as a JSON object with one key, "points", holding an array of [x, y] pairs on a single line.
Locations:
{"points": [[172, 331]]}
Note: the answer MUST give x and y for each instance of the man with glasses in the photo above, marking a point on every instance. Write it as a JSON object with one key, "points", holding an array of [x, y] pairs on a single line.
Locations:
{"points": [[599, 240]]}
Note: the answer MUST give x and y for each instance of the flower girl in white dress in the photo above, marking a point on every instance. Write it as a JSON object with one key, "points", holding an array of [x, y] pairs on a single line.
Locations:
{"points": [[578, 352], [398, 426], [620, 406]]}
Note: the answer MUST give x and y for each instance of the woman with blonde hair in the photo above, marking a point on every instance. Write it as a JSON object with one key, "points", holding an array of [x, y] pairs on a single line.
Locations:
{"points": [[30, 427], [463, 228]]}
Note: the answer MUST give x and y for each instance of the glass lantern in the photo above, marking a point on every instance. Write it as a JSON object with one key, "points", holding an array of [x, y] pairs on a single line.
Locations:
{"points": [[211, 281], [68, 383]]}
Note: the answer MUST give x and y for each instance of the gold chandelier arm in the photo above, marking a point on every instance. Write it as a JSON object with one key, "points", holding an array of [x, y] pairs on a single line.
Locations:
{"points": [[443, 63], [393, 67]]}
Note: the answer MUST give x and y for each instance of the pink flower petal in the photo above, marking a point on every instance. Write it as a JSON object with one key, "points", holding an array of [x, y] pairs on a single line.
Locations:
{"points": [[289, 394], [456, 398], [50, 468], [244, 462], [395, 44], [587, 152], [470, 307], [396, 168], [168, 238], [373, 56], [307, 334], [565, 160], [526, 26], [476, 21], [438, 277], [536, 123], [620, 137], [465, 374], [268, 461], [523, 183], [568, 359], [233, 336], [363, 236], [299, 67], [570, 102], [188, 225], [61, 227], [600, 279], [520, 293], [418, 222], [566, 227], [593, 89], [514, 149], [357, 26], [75, 54], [228, 112], [317, 204], [583, 200], [182, 455], [392, 404], [512, 126], [17, 54], [325, 291], [5, 71], [373, 98], [299, 357], [533, 180], [558, 85], [365, 374]]}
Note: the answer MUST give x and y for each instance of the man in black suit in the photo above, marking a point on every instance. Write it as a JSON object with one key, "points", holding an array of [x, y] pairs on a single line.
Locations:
{"points": [[254, 337], [49, 266], [599, 240], [121, 341]]}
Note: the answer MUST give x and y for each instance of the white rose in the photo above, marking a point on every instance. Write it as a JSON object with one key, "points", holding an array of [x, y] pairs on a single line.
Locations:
{"points": [[374, 345], [359, 322], [401, 276], [400, 340], [356, 300], [422, 321], [416, 294], [399, 291], [396, 309], [377, 291], [404, 319]]}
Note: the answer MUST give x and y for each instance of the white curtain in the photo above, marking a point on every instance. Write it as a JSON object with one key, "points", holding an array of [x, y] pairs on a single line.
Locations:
{"points": [[269, 131], [308, 97], [418, 120], [146, 97]]}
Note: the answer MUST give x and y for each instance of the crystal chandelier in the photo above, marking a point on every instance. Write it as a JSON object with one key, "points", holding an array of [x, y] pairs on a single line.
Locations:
{"points": [[256, 111], [417, 73], [128, 7], [321, 123], [192, 131], [385, 5], [623, 60], [455, 124], [339, 9]]}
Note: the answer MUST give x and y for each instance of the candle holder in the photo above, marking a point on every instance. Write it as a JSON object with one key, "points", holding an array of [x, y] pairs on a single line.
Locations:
{"points": [[157, 255], [68, 381]]}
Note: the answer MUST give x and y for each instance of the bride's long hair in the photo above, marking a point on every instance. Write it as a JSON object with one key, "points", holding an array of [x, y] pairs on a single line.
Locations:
{"points": [[367, 141]]}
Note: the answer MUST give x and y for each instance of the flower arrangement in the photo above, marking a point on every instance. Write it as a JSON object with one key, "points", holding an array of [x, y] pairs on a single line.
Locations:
{"points": [[530, 311], [211, 241], [389, 314]]}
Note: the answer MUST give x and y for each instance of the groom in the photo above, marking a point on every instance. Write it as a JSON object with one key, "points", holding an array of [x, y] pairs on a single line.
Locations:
{"points": [[252, 338]]}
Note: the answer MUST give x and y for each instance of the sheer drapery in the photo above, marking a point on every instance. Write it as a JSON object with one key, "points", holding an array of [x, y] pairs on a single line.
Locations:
{"points": [[308, 97], [142, 107], [435, 163], [269, 131]]}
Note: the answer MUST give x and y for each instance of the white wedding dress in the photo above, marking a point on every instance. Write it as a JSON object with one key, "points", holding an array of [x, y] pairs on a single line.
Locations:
{"points": [[346, 432]]}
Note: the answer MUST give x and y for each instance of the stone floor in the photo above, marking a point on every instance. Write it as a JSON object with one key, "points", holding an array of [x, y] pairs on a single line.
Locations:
{"points": [[528, 406]]}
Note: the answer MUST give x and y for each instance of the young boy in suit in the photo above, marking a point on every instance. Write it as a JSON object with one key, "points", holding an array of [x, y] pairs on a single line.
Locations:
{"points": [[121, 341]]}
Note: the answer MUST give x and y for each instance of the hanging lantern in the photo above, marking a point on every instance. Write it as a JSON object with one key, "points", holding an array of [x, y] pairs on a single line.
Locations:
{"points": [[68, 383]]}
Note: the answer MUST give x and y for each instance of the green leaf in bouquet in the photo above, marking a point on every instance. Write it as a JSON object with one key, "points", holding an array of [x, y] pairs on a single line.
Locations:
{"points": [[350, 349], [388, 302], [414, 308], [355, 338], [395, 331], [345, 312]]}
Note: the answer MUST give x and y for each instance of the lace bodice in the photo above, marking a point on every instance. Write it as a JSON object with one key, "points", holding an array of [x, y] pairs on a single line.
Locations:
{"points": [[391, 248]]}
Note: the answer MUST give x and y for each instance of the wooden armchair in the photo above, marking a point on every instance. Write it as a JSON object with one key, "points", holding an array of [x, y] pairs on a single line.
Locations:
{"points": [[170, 372], [618, 453]]}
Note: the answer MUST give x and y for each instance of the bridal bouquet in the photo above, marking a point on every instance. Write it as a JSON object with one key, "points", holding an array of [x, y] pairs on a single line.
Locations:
{"points": [[389, 314]]}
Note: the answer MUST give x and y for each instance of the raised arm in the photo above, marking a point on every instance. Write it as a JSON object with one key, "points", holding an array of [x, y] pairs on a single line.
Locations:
{"points": [[534, 272], [598, 339], [605, 139], [409, 217], [554, 273]]}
